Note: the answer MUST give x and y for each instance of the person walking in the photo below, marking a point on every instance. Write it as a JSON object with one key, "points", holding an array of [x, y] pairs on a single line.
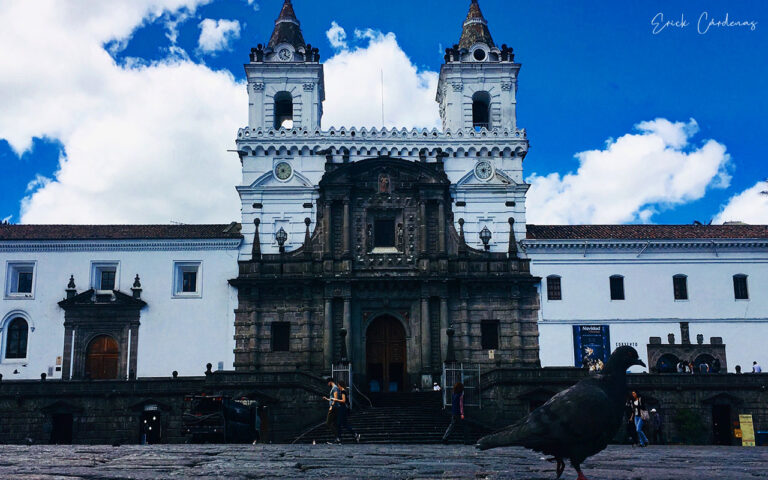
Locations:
{"points": [[457, 413], [343, 413], [756, 368], [333, 399], [639, 415], [658, 437], [629, 423]]}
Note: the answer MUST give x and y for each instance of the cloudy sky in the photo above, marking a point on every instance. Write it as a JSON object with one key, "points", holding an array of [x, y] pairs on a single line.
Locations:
{"points": [[122, 111]]}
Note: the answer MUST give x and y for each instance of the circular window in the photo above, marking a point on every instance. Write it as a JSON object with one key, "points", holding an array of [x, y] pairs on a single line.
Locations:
{"points": [[479, 54]]}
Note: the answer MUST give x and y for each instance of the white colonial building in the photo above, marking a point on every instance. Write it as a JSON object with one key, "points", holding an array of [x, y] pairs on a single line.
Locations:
{"points": [[119, 301], [635, 282], [116, 301]]}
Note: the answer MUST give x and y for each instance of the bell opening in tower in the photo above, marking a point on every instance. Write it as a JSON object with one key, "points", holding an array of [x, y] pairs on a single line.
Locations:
{"points": [[481, 110], [283, 110]]}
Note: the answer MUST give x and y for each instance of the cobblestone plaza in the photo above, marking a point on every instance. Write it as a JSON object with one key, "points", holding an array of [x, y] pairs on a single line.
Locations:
{"points": [[370, 462]]}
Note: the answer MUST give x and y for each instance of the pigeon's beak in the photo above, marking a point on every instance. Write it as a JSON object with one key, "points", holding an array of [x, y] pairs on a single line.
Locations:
{"points": [[639, 362]]}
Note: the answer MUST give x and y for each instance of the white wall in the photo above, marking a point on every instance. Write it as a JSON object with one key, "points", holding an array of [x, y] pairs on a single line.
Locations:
{"points": [[180, 334], [650, 308]]}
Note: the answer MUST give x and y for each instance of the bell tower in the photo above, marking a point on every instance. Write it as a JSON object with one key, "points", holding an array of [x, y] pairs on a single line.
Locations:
{"points": [[478, 82], [286, 87]]}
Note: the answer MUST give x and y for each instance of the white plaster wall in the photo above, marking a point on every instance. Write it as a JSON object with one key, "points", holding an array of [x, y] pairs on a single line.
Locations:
{"points": [[175, 334], [650, 308]]}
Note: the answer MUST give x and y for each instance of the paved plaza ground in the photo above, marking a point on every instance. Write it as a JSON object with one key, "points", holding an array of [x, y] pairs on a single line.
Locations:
{"points": [[369, 462]]}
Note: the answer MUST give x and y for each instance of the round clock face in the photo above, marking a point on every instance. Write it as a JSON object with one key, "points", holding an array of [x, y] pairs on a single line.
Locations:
{"points": [[483, 170], [283, 171], [285, 54]]}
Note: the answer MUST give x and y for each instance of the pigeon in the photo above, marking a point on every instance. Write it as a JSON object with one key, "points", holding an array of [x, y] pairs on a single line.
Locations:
{"points": [[577, 422]]}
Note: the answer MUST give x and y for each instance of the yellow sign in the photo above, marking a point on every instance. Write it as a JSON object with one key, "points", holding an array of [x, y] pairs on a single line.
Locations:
{"points": [[747, 431]]}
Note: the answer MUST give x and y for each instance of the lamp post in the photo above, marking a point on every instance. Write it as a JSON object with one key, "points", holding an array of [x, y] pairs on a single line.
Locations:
{"points": [[281, 237], [485, 236]]}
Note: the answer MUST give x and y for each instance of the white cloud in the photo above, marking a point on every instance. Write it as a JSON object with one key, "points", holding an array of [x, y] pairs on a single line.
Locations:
{"points": [[255, 5], [749, 206], [216, 35], [337, 36], [143, 142], [632, 178], [353, 84]]}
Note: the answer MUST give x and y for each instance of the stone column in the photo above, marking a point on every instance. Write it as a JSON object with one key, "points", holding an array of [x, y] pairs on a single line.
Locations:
{"points": [[444, 323], [307, 342], [67, 359], [346, 228], [441, 227], [423, 227], [347, 322], [426, 337], [327, 228], [133, 363], [328, 335]]}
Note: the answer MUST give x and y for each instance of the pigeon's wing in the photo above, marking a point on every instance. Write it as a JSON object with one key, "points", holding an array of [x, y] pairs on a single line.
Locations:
{"points": [[580, 415]]}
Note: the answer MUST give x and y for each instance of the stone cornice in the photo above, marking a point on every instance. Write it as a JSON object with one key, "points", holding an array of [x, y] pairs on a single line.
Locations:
{"points": [[644, 245], [386, 141], [117, 245]]}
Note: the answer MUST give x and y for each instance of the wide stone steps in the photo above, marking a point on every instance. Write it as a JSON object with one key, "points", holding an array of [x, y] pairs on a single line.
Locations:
{"points": [[402, 418]]}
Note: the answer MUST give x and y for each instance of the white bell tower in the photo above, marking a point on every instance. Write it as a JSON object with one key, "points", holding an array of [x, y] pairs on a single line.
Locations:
{"points": [[478, 82], [286, 87]]}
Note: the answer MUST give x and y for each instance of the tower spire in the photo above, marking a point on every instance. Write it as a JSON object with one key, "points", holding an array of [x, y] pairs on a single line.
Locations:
{"points": [[287, 29], [475, 28]]}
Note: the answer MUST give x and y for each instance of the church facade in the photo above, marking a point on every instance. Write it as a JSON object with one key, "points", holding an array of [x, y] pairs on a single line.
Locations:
{"points": [[392, 249], [366, 245]]}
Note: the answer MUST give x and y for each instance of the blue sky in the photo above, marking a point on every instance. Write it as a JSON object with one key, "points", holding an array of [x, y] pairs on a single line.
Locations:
{"points": [[592, 70]]}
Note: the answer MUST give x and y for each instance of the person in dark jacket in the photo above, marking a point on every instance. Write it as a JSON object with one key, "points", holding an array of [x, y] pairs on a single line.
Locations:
{"points": [[457, 413], [343, 413], [656, 427], [638, 412]]}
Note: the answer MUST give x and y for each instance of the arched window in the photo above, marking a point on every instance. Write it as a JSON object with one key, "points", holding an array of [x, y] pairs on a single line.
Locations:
{"points": [[680, 287], [283, 110], [667, 363], [617, 287], [481, 110], [16, 338], [740, 290]]}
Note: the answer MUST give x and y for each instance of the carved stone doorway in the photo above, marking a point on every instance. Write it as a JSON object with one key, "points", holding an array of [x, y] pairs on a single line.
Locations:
{"points": [[385, 355], [102, 358]]}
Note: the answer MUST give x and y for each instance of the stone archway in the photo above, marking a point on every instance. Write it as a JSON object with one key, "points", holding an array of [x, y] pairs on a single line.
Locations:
{"points": [[385, 348]]}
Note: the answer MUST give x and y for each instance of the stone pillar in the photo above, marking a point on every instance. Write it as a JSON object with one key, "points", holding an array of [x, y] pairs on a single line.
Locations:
{"points": [[253, 342], [327, 228], [328, 335], [347, 323], [132, 365], [441, 227], [346, 228], [66, 361], [685, 333], [444, 323], [307, 342], [423, 227], [426, 337]]}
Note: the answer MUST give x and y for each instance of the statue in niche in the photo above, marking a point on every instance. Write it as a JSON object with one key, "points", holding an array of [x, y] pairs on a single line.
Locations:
{"points": [[384, 183], [400, 237], [369, 237]]}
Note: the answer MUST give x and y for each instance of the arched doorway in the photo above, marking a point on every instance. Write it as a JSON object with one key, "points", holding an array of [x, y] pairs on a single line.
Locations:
{"points": [[385, 355], [102, 358]]}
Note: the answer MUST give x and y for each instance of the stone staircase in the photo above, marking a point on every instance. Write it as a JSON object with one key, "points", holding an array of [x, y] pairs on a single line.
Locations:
{"points": [[399, 418]]}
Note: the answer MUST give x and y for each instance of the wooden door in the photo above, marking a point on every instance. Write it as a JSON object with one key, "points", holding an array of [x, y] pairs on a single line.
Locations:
{"points": [[386, 355], [102, 358]]}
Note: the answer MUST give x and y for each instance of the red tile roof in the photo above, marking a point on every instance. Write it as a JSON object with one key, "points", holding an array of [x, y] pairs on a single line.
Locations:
{"points": [[644, 232], [118, 232]]}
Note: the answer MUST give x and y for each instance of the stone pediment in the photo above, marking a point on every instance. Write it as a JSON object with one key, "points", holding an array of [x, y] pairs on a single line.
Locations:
{"points": [[114, 298], [385, 175], [269, 181]]}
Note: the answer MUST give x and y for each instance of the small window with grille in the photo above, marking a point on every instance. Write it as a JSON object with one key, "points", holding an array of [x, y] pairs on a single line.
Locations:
{"points": [[617, 287], [489, 335], [740, 291], [281, 336], [554, 289], [680, 287]]}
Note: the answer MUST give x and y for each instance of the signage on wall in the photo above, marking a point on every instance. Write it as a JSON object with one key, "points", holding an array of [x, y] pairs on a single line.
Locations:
{"points": [[591, 346], [491, 354], [747, 431]]}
